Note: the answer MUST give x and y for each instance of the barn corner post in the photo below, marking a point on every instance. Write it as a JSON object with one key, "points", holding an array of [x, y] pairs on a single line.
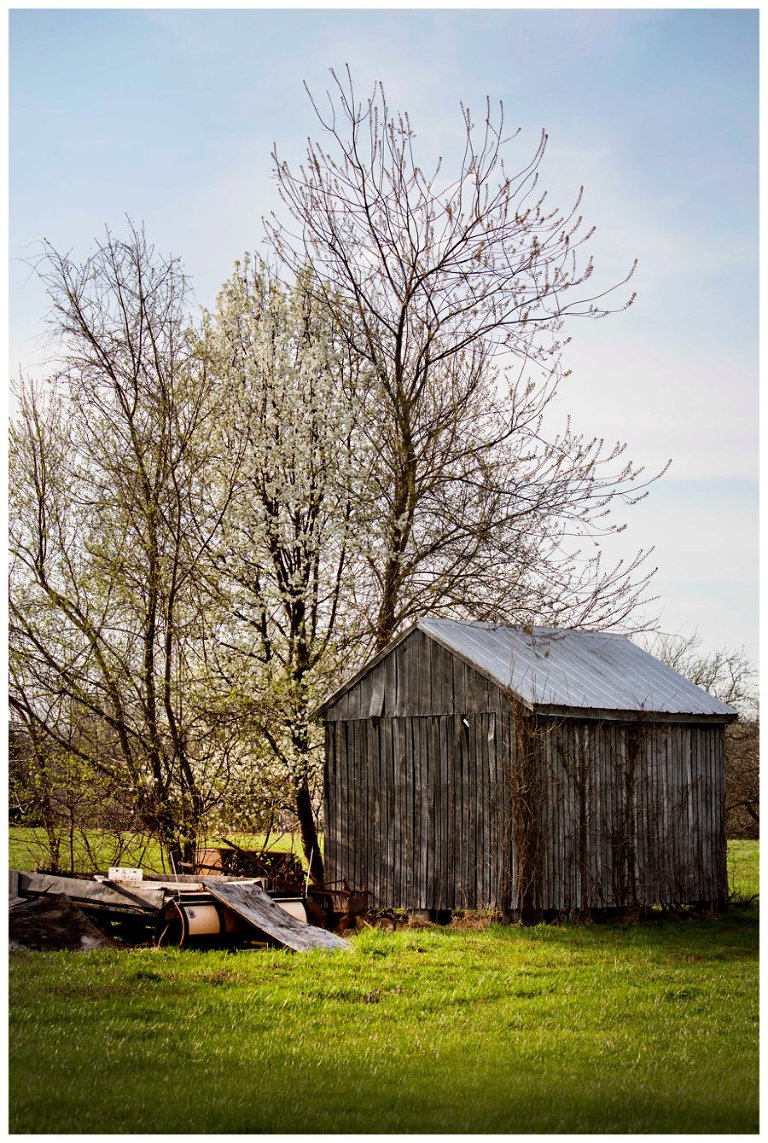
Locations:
{"points": [[722, 892]]}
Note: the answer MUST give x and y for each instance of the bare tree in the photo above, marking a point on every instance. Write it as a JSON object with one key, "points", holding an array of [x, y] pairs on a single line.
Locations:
{"points": [[111, 515], [454, 293], [724, 672]]}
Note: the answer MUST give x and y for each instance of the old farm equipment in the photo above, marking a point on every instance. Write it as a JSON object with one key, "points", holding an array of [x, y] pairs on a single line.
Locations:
{"points": [[185, 910]]}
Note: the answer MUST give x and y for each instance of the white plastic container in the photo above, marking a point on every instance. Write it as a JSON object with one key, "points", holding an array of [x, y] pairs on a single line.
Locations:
{"points": [[124, 873]]}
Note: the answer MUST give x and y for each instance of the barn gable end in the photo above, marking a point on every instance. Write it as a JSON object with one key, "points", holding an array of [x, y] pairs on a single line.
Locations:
{"points": [[415, 676]]}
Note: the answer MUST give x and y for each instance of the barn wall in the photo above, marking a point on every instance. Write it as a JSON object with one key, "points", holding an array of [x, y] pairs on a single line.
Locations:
{"points": [[629, 814], [417, 792]]}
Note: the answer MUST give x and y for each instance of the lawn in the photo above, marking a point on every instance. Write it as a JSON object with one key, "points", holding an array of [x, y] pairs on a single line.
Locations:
{"points": [[551, 1029]]}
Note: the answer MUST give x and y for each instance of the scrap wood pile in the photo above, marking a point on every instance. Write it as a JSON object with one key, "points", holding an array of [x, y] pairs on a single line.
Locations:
{"points": [[77, 911]]}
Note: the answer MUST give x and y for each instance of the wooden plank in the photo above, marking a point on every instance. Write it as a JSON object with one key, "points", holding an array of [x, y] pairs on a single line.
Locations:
{"points": [[350, 787], [398, 657], [423, 675], [362, 812], [593, 790], [354, 698], [445, 830], [142, 897], [454, 777], [697, 811], [368, 791], [425, 809], [378, 685], [390, 684], [506, 884], [496, 808], [398, 812], [483, 818], [547, 816], [459, 696], [490, 747], [378, 821], [436, 841], [639, 832], [436, 676], [718, 809], [388, 814], [359, 815], [347, 782], [329, 799], [408, 856], [260, 911], [447, 689], [470, 809], [463, 796]]}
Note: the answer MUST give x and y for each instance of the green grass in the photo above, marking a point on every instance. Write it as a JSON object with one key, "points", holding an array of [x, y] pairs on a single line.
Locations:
{"points": [[743, 868], [28, 849], [551, 1029]]}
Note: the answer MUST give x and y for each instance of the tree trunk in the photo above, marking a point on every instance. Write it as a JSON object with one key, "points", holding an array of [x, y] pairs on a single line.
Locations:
{"points": [[309, 838]]}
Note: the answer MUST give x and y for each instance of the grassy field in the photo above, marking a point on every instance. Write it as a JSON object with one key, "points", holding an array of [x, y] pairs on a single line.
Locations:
{"points": [[551, 1029], [95, 852]]}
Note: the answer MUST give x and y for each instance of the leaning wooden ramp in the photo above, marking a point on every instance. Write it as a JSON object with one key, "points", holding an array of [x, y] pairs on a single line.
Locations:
{"points": [[258, 909]]}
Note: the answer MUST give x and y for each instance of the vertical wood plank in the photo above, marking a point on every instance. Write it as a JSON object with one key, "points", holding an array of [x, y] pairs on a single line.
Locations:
{"points": [[426, 842], [399, 814], [388, 890], [329, 791], [446, 821], [437, 703], [423, 674]]}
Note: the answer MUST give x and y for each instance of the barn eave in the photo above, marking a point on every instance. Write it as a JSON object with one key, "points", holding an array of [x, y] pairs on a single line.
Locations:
{"points": [[633, 715]]}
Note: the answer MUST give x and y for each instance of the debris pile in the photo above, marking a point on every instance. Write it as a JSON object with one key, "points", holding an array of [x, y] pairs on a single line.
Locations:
{"points": [[128, 906], [52, 922]]}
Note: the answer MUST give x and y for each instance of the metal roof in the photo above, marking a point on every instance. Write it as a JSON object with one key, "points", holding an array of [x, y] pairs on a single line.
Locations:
{"points": [[593, 670]]}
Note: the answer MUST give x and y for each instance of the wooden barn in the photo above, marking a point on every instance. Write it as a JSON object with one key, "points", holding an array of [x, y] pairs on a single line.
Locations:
{"points": [[533, 773]]}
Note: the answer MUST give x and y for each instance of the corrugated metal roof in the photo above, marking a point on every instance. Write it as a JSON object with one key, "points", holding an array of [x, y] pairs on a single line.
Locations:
{"points": [[590, 670]]}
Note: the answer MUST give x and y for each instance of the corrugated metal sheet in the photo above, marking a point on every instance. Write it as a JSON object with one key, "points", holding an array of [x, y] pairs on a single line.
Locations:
{"points": [[582, 669]]}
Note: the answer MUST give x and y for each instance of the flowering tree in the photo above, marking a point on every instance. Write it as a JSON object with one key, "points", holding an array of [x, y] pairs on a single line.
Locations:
{"points": [[286, 559]]}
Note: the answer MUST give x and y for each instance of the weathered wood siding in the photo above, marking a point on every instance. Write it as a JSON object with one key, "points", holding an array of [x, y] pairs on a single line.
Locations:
{"points": [[418, 677], [416, 793], [442, 793], [629, 814]]}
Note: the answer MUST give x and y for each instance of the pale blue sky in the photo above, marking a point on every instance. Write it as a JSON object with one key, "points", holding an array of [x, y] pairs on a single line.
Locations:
{"points": [[169, 117]]}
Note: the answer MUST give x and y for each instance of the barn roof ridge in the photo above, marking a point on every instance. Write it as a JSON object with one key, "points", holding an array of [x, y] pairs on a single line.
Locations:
{"points": [[558, 668]]}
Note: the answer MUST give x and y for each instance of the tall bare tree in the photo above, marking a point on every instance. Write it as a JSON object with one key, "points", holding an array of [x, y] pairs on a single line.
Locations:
{"points": [[111, 516], [455, 292]]}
